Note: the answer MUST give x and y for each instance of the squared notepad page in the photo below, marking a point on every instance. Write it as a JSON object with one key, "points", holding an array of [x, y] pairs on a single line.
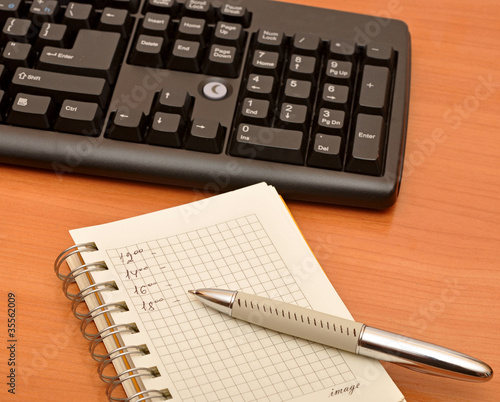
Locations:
{"points": [[242, 240]]}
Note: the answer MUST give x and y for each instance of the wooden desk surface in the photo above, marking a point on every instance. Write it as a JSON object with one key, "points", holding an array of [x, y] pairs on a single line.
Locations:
{"points": [[428, 267]]}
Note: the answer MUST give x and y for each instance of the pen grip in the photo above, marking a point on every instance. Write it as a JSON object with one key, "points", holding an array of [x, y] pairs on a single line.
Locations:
{"points": [[297, 321]]}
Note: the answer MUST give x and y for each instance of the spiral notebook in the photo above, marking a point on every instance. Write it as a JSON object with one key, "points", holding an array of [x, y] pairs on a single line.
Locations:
{"points": [[131, 279]]}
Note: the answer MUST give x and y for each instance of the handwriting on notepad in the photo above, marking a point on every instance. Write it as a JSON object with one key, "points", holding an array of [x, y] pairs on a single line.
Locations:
{"points": [[128, 258], [151, 306], [142, 290], [134, 273]]}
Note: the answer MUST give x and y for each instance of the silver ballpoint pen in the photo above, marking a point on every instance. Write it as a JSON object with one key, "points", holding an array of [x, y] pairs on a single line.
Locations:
{"points": [[345, 334]]}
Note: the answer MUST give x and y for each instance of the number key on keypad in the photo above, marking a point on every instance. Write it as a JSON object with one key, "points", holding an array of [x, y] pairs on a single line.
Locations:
{"points": [[293, 116], [255, 111], [326, 152], [266, 62], [298, 91], [303, 67], [260, 86]]}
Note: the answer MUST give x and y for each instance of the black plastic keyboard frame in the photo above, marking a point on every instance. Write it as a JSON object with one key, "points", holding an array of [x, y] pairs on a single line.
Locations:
{"points": [[211, 173]]}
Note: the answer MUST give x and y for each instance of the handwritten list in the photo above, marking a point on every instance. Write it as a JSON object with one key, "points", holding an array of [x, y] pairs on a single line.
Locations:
{"points": [[211, 356]]}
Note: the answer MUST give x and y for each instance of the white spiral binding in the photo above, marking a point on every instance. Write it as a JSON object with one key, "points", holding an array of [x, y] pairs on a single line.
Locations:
{"points": [[123, 352]]}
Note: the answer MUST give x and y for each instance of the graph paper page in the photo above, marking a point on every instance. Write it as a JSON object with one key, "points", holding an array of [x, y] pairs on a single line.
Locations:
{"points": [[245, 240]]}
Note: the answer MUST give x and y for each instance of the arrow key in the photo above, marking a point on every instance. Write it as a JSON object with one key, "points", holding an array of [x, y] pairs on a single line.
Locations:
{"points": [[174, 101], [127, 125], [166, 130], [206, 136]]}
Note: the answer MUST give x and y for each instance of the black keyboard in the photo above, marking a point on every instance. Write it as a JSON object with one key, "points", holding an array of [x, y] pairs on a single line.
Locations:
{"points": [[213, 95]]}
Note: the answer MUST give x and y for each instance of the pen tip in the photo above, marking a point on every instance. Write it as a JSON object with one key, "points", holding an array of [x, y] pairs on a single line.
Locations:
{"points": [[193, 292]]}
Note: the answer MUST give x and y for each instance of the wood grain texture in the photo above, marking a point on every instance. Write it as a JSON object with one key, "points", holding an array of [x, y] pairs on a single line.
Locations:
{"points": [[428, 267]]}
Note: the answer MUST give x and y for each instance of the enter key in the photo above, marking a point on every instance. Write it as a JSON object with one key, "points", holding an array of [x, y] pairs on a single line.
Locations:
{"points": [[94, 53], [366, 154]]}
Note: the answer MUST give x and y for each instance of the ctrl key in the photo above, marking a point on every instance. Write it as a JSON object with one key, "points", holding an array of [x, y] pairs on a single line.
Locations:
{"points": [[32, 111], [79, 118], [366, 154]]}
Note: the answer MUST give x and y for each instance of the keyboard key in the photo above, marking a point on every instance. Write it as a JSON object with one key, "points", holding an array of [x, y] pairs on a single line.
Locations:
{"points": [[43, 11], [298, 91], [342, 50], [127, 125], [265, 62], [156, 25], [169, 7], [10, 9], [307, 44], [335, 96], [173, 101], [17, 30], [303, 67], [166, 130], [380, 54], [32, 111], [260, 86], [186, 56], [82, 118], [374, 91], [235, 13], [272, 144], [115, 20], [199, 9], [272, 40], [326, 152], [205, 136], [94, 53], [229, 34], [148, 51], [78, 16], [51, 34], [367, 149], [222, 61], [293, 117], [255, 111], [17, 55], [193, 29], [330, 121], [60, 86], [340, 72]]}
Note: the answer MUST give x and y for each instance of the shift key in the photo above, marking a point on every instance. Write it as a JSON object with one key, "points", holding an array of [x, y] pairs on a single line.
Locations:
{"points": [[60, 86]]}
